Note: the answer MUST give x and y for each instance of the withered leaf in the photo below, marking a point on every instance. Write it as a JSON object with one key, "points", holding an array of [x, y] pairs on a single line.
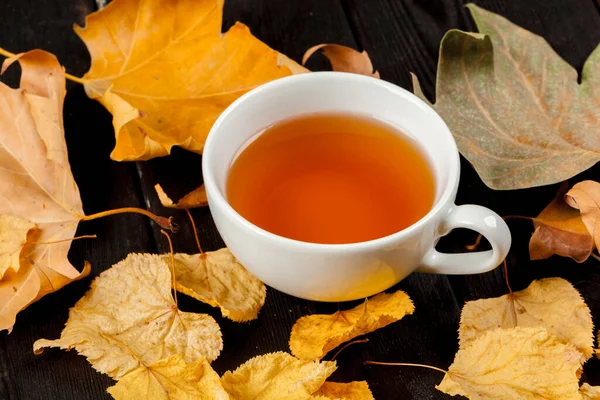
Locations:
{"points": [[276, 376], [344, 59], [165, 71], [345, 391], [128, 319], [516, 363], [218, 279], [552, 303], [13, 236], [585, 196], [36, 182], [313, 336], [516, 109], [195, 198], [560, 230], [589, 392], [170, 378]]}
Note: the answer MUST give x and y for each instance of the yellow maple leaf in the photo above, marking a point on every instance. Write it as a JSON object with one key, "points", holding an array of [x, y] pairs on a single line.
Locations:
{"points": [[218, 279], [313, 336], [345, 391], [552, 303], [128, 319], [13, 236], [516, 363], [276, 376], [165, 71], [589, 392], [36, 182], [168, 379]]}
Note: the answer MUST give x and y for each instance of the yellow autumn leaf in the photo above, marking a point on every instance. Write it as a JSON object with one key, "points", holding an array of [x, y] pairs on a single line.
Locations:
{"points": [[589, 392], [169, 379], [515, 363], [346, 391], [195, 198], [165, 71], [552, 303], [218, 279], [36, 182], [13, 236], [276, 376], [129, 319], [344, 59], [313, 336]]}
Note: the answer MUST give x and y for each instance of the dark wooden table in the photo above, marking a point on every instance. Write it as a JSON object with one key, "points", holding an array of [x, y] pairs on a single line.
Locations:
{"points": [[400, 36]]}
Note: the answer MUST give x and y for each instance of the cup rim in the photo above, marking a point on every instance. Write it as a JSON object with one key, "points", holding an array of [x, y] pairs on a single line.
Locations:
{"points": [[218, 198]]}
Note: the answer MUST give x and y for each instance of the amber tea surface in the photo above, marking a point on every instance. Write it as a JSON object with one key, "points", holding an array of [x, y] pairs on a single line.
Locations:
{"points": [[331, 178]]}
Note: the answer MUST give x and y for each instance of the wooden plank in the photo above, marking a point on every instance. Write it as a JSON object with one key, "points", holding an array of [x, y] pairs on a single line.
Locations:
{"points": [[103, 184], [403, 36]]}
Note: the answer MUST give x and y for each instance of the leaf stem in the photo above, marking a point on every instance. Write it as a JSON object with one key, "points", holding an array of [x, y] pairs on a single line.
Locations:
{"points": [[406, 365], [70, 77], [165, 223], [346, 345], [172, 266], [67, 240]]}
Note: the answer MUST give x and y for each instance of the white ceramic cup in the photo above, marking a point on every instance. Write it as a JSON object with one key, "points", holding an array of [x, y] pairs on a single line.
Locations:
{"points": [[339, 272]]}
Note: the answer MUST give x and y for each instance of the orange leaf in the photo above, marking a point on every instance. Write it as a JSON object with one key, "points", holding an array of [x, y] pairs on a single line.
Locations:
{"points": [[36, 182], [560, 230], [585, 196], [165, 71], [195, 198], [344, 59]]}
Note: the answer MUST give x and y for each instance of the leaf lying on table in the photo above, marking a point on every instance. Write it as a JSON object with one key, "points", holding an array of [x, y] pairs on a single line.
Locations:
{"points": [[516, 363], [552, 303], [218, 279], [165, 71], [560, 230], [345, 391], [36, 183], [128, 319], [589, 392], [171, 378], [313, 336], [277, 376], [195, 198], [514, 106], [13, 237], [585, 197], [344, 59]]}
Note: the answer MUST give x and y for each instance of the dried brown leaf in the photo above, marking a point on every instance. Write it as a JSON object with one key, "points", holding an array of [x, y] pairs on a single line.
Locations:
{"points": [[344, 59], [195, 198]]}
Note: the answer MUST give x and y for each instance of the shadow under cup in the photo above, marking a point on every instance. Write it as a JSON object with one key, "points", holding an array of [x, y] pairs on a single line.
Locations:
{"points": [[322, 271]]}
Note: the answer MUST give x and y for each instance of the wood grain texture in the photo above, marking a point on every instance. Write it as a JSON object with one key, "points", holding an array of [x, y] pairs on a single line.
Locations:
{"points": [[401, 36]]}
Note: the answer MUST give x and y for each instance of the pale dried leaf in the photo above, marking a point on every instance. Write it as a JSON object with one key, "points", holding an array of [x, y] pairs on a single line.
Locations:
{"points": [[195, 198], [13, 236], [313, 336], [169, 379], [344, 59], [516, 363], [552, 303], [128, 319], [589, 392], [585, 196], [516, 109], [346, 391], [276, 376], [218, 279]]}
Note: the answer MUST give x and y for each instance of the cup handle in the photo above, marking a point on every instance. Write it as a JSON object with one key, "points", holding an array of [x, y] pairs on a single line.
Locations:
{"points": [[479, 219]]}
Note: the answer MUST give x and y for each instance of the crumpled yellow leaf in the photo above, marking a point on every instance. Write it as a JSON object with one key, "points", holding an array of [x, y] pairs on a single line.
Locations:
{"points": [[313, 336], [516, 363], [552, 303], [165, 71], [344, 59], [13, 236], [129, 319], [516, 109], [589, 392], [346, 391], [170, 378], [276, 376], [195, 198], [218, 279], [560, 230], [36, 182], [585, 197]]}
